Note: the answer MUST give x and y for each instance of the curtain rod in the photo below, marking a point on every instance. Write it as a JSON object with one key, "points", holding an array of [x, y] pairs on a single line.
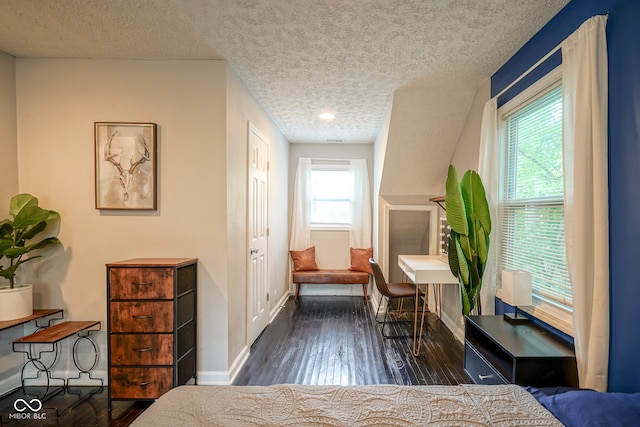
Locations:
{"points": [[540, 61], [529, 70], [318, 159]]}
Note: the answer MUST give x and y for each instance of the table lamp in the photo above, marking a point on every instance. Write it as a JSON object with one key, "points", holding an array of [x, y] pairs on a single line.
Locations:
{"points": [[516, 290]]}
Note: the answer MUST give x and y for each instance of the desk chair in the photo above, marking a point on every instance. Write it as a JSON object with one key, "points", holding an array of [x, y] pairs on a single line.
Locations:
{"points": [[390, 291]]}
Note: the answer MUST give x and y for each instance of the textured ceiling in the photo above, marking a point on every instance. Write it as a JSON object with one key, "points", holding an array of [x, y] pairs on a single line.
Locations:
{"points": [[298, 57]]}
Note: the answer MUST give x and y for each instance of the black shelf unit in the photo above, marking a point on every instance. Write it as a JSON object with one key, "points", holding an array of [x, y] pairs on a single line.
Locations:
{"points": [[498, 352]]}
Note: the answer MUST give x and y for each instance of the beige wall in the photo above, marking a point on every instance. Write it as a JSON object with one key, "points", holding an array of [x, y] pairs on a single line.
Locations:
{"points": [[464, 158], [10, 362], [468, 148], [201, 184], [243, 108], [8, 148]]}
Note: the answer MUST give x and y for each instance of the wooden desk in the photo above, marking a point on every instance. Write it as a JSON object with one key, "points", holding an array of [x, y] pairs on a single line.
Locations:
{"points": [[424, 270]]}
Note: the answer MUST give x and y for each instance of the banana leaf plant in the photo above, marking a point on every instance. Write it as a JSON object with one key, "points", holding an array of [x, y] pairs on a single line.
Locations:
{"points": [[468, 246], [26, 222]]}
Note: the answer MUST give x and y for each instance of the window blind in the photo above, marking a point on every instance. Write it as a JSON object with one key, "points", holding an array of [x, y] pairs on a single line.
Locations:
{"points": [[532, 208]]}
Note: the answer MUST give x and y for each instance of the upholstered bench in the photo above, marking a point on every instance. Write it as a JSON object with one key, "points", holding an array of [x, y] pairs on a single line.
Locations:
{"points": [[326, 277]]}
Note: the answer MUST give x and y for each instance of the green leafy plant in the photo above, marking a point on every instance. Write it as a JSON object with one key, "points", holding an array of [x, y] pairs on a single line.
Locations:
{"points": [[468, 245], [26, 222]]}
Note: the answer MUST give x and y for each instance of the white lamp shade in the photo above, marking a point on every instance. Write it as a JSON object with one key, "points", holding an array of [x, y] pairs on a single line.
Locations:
{"points": [[516, 287]]}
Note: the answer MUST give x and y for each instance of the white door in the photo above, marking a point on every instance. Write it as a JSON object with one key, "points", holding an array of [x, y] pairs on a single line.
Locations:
{"points": [[258, 229]]}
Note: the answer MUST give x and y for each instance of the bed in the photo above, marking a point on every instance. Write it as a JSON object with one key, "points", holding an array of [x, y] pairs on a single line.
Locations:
{"points": [[381, 405], [390, 405]]}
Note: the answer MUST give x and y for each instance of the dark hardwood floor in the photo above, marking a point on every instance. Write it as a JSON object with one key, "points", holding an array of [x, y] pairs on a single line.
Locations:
{"points": [[319, 340], [76, 406], [335, 340]]}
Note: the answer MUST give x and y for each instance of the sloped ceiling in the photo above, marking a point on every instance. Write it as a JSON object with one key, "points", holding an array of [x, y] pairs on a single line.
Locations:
{"points": [[424, 129], [304, 57]]}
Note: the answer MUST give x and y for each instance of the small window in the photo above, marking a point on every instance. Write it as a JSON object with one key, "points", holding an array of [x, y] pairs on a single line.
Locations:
{"points": [[331, 196]]}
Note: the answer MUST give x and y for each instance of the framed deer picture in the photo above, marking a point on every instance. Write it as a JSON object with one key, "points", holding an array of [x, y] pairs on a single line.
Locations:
{"points": [[126, 165]]}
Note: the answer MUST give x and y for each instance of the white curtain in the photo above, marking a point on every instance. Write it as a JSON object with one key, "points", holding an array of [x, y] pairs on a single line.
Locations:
{"points": [[488, 169], [360, 233], [300, 221], [584, 87]]}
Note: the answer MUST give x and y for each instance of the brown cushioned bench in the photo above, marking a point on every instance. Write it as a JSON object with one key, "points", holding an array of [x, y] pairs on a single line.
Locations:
{"points": [[329, 277]]}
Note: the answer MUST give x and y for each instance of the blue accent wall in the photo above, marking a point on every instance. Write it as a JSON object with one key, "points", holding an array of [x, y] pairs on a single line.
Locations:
{"points": [[623, 44]]}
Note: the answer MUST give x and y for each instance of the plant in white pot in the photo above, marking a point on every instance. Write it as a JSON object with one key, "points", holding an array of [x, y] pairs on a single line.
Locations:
{"points": [[17, 236]]}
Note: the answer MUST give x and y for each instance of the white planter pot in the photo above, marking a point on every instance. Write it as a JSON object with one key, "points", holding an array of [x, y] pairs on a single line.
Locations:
{"points": [[16, 303]]}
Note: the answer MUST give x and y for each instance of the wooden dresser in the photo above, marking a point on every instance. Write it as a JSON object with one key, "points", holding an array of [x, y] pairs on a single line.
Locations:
{"points": [[152, 326]]}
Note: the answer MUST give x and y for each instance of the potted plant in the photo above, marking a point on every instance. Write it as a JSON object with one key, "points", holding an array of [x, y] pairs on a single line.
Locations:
{"points": [[468, 246], [16, 240]]}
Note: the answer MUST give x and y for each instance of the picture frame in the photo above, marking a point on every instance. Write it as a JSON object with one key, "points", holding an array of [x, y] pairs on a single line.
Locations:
{"points": [[125, 165]]}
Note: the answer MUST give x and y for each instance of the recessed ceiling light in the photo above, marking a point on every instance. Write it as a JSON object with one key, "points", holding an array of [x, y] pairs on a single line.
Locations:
{"points": [[327, 116]]}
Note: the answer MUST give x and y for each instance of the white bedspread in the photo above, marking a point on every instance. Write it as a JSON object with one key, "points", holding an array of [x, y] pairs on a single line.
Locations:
{"points": [[376, 405]]}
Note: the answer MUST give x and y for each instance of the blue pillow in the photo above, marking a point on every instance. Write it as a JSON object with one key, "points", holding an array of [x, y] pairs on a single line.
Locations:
{"points": [[589, 408]]}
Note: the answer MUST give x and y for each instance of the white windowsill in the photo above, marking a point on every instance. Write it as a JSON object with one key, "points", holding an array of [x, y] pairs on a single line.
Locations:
{"points": [[549, 314]]}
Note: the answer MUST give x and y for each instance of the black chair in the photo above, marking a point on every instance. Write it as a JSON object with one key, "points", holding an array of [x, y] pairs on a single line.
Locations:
{"points": [[391, 291]]}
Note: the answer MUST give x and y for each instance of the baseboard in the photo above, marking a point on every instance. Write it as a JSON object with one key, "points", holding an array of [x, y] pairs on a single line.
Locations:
{"points": [[224, 377], [276, 309], [331, 290], [454, 326], [10, 383]]}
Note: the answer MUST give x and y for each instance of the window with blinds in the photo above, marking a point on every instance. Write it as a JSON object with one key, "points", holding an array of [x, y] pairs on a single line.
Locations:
{"points": [[532, 208]]}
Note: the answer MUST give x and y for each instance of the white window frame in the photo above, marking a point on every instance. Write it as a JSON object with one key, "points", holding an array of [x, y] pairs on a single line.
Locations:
{"points": [[553, 314], [329, 166]]}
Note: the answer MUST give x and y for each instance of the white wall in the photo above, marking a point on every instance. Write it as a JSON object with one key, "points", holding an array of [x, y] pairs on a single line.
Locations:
{"points": [[58, 102]]}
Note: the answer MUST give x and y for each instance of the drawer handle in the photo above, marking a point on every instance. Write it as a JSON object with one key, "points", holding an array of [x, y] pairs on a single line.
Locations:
{"points": [[145, 384], [485, 377], [141, 283], [142, 350], [146, 316]]}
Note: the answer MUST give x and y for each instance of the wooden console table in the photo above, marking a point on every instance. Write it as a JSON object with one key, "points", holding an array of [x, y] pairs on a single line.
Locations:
{"points": [[498, 352], [37, 314], [49, 339]]}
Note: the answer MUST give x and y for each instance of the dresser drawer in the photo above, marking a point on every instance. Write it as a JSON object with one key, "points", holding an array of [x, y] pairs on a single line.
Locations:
{"points": [[141, 349], [143, 316], [141, 283], [478, 369], [140, 383]]}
